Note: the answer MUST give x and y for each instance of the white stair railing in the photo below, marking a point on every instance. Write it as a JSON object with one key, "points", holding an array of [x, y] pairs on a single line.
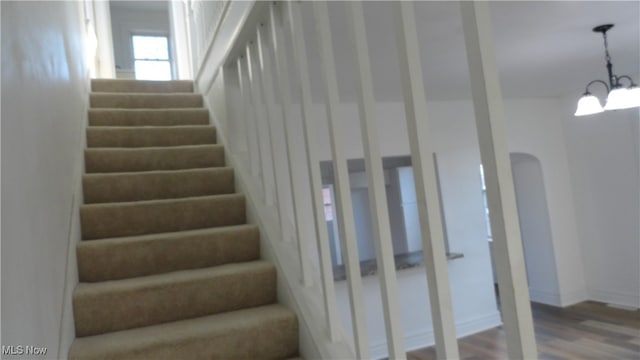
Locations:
{"points": [[256, 58]]}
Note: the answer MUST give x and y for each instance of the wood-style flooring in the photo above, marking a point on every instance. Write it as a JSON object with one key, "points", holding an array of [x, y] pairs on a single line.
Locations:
{"points": [[587, 330]]}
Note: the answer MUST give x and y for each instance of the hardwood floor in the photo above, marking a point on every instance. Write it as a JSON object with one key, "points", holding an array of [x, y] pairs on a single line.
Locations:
{"points": [[587, 330]]}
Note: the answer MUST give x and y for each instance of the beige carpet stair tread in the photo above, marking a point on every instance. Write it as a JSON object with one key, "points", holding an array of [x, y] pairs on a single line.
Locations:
{"points": [[124, 304], [168, 266], [106, 160], [148, 117], [266, 332], [159, 216], [151, 185], [146, 101], [150, 136], [126, 85], [127, 257]]}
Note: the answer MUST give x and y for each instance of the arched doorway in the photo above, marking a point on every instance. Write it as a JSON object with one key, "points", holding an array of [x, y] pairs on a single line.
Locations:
{"points": [[535, 227]]}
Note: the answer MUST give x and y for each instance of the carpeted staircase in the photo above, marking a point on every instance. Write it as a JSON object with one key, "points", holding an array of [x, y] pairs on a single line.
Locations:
{"points": [[168, 267]]}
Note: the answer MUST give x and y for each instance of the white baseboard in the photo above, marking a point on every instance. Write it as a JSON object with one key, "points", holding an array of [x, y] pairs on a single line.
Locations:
{"points": [[544, 297], [554, 299], [622, 307], [615, 298], [74, 235], [425, 338]]}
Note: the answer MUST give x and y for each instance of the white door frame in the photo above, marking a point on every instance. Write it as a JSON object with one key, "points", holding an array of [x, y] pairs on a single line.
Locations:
{"points": [[181, 53], [106, 60]]}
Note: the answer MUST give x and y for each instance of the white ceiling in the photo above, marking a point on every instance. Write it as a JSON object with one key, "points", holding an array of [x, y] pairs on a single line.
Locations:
{"points": [[543, 48]]}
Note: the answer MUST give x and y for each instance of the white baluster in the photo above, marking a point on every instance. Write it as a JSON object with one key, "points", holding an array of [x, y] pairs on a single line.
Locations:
{"points": [[264, 116], [341, 176], [248, 111], [431, 225], [282, 84], [232, 94], [267, 92], [259, 121], [313, 166], [494, 151], [377, 193]]}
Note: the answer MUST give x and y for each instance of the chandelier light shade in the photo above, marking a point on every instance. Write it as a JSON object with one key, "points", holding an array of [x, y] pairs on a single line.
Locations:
{"points": [[634, 96], [618, 95], [588, 104], [618, 99]]}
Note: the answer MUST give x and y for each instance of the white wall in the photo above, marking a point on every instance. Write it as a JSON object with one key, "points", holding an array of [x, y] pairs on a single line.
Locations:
{"points": [[535, 127], [128, 21], [604, 162], [44, 98]]}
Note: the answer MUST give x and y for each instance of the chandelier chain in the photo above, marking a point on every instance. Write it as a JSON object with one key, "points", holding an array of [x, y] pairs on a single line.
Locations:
{"points": [[606, 48]]}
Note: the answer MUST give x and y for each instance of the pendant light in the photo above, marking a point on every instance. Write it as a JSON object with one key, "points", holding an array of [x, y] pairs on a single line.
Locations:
{"points": [[618, 96]]}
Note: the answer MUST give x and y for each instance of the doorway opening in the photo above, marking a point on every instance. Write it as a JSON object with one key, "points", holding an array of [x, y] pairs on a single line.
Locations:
{"points": [[143, 42], [535, 228]]}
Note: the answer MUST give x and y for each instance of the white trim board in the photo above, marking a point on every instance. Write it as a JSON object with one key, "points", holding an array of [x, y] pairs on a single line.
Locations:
{"points": [[423, 339], [615, 298]]}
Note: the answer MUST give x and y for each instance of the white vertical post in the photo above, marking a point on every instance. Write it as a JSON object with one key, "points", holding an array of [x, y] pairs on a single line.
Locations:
{"points": [[230, 77], [245, 111], [254, 89], [490, 122], [342, 186], [282, 83], [106, 59], [377, 193], [180, 49], [264, 127], [265, 79], [313, 166], [431, 226]]}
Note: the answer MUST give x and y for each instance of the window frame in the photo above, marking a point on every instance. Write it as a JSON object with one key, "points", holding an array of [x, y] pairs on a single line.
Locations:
{"points": [[152, 34]]}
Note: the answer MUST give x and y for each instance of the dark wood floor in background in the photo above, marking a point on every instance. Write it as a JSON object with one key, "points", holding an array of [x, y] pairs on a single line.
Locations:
{"points": [[584, 331]]}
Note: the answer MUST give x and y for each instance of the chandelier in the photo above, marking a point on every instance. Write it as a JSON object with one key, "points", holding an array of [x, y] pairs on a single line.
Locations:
{"points": [[618, 96]]}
